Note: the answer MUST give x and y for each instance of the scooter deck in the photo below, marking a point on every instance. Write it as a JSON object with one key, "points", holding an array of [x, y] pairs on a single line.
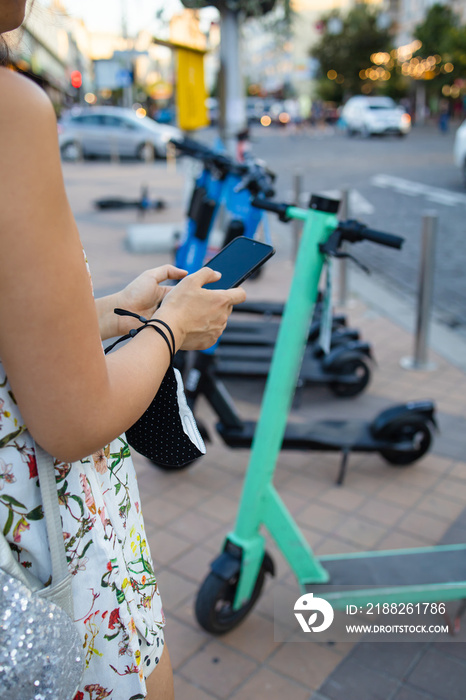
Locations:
{"points": [[418, 568], [264, 353], [266, 308], [321, 435], [276, 308], [257, 368], [312, 369], [265, 332], [254, 333]]}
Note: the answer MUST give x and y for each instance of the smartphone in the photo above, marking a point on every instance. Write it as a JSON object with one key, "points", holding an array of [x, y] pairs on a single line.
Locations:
{"points": [[237, 260]]}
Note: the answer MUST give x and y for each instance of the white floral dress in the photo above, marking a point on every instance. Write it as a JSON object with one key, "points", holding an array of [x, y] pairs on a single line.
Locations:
{"points": [[116, 600]]}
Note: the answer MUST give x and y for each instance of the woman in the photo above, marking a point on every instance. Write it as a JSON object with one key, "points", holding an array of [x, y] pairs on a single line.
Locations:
{"points": [[58, 388]]}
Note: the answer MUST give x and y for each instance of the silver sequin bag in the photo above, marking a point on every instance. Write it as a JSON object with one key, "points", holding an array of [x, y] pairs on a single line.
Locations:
{"points": [[40, 648]]}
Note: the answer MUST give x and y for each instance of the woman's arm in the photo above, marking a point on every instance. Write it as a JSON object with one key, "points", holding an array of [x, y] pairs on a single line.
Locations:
{"points": [[73, 398]]}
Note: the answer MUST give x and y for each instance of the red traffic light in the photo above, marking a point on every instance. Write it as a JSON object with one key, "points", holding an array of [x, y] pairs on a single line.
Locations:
{"points": [[76, 79]]}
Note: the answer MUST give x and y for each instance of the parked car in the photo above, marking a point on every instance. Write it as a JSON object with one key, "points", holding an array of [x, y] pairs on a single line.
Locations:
{"points": [[459, 150], [374, 115], [255, 107], [104, 131]]}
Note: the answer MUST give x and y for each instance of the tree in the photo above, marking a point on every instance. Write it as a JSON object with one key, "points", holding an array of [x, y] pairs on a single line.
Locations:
{"points": [[250, 8], [345, 47], [435, 32], [444, 38]]}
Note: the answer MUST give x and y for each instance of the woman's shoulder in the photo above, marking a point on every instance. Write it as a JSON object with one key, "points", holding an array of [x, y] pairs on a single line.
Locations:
{"points": [[20, 95]]}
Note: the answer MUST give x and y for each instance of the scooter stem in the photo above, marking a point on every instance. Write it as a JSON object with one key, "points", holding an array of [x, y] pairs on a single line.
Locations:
{"points": [[259, 503]]}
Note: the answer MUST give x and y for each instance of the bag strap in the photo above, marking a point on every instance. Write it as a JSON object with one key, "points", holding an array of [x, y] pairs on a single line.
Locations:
{"points": [[48, 489]]}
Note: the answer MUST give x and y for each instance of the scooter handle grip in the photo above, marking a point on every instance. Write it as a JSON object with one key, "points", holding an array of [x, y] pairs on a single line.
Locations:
{"points": [[387, 239], [191, 147], [266, 204]]}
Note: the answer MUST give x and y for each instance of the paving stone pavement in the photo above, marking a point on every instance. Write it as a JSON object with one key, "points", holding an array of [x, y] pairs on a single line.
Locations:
{"points": [[189, 512]]}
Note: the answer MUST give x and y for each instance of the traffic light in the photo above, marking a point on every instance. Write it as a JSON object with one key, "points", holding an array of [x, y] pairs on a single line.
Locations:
{"points": [[76, 79]]}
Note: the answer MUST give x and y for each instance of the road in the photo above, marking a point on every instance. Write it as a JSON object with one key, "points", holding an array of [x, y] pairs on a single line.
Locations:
{"points": [[393, 182]]}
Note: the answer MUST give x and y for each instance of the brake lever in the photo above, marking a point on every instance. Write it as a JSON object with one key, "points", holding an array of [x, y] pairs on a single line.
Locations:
{"points": [[331, 248], [243, 184], [363, 267]]}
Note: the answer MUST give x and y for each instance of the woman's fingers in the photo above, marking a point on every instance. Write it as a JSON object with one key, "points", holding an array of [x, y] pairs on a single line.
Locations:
{"points": [[237, 296], [168, 272], [205, 275]]}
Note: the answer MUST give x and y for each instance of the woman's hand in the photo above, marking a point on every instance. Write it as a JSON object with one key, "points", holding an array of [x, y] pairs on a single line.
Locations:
{"points": [[198, 316], [142, 296]]}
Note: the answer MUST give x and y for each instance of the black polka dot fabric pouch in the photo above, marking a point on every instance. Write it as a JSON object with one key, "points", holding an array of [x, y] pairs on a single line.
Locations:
{"points": [[167, 432]]}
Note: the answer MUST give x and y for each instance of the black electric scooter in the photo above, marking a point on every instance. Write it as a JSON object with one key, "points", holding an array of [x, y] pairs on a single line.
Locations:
{"points": [[344, 369], [143, 204], [402, 434]]}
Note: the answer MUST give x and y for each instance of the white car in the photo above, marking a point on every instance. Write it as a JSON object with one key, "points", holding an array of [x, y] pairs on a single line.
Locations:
{"points": [[375, 115], [459, 149], [107, 131]]}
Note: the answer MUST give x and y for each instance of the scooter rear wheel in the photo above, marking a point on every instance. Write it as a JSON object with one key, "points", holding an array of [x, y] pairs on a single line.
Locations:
{"points": [[410, 428], [214, 602], [362, 375]]}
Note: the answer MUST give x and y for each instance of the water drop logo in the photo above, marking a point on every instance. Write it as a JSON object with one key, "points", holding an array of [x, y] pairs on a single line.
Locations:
{"points": [[311, 606]]}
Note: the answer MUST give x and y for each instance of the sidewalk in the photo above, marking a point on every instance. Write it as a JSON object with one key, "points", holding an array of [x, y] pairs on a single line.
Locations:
{"points": [[188, 513]]}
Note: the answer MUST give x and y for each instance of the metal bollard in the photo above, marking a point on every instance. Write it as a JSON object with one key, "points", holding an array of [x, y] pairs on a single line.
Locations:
{"points": [[425, 294], [114, 152], [343, 262], [171, 157], [149, 152], [297, 225]]}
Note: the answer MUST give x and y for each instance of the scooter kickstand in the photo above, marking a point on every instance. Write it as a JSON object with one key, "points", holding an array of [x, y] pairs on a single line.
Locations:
{"points": [[298, 396], [343, 466]]}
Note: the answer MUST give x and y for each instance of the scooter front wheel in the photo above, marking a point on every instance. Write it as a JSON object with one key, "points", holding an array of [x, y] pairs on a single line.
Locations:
{"points": [[360, 372], [410, 429], [214, 602]]}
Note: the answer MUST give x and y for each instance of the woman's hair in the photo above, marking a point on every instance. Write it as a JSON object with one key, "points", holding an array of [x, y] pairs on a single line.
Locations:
{"points": [[4, 52]]}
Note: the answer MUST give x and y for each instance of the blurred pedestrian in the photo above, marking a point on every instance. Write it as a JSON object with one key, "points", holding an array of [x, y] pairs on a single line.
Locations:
{"points": [[444, 116], [243, 145], [59, 389]]}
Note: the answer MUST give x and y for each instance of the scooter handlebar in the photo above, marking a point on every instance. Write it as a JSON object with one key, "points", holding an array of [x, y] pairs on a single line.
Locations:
{"points": [[353, 231], [387, 239], [274, 207], [191, 147]]}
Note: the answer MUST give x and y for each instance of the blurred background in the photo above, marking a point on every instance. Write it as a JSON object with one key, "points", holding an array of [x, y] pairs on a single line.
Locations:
{"points": [[370, 95]]}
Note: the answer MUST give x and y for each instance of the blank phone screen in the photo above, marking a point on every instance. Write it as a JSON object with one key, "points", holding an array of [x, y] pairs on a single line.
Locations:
{"points": [[238, 258]]}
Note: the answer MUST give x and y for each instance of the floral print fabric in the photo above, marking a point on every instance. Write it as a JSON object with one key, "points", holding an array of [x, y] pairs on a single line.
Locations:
{"points": [[114, 587]]}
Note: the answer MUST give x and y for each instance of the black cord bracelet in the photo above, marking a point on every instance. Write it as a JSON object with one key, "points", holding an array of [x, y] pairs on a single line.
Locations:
{"points": [[146, 323], [159, 320], [164, 336]]}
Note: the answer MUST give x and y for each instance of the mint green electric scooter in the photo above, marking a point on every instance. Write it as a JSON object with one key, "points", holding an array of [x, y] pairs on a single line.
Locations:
{"points": [[237, 575]]}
